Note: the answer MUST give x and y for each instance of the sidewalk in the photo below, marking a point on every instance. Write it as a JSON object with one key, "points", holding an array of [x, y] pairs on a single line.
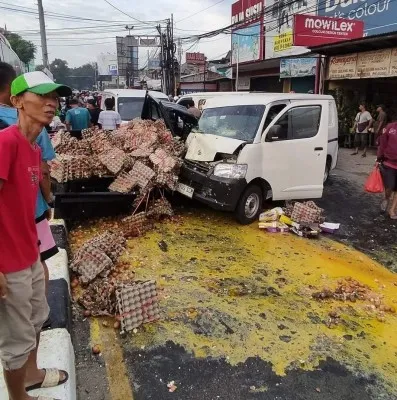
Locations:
{"points": [[56, 349]]}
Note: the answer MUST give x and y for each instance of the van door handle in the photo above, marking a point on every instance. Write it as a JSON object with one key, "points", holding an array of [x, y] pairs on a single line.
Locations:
{"points": [[318, 148]]}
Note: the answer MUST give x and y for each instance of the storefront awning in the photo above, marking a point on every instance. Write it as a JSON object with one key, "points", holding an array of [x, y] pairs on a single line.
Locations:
{"points": [[376, 42]]}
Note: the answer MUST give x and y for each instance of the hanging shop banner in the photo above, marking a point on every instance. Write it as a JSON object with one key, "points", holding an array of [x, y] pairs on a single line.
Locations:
{"points": [[379, 16], [311, 30], [246, 44], [342, 67], [283, 42], [373, 64], [278, 26], [370, 64], [297, 67], [247, 34], [393, 62]]}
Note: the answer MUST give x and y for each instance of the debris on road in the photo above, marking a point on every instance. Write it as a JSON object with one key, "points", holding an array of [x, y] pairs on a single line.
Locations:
{"points": [[171, 386], [303, 219]]}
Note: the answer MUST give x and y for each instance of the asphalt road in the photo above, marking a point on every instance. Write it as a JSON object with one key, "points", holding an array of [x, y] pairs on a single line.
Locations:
{"points": [[253, 334]]}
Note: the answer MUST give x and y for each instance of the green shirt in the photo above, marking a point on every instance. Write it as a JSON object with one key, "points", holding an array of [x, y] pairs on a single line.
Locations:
{"points": [[79, 118]]}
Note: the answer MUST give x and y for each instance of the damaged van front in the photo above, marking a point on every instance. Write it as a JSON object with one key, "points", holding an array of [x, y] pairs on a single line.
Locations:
{"points": [[249, 148], [211, 172]]}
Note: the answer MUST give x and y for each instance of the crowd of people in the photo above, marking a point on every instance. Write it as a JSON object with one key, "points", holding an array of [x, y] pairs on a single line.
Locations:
{"points": [[385, 138]]}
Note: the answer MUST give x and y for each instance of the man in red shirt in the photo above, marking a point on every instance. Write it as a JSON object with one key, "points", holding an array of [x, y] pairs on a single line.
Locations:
{"points": [[387, 155], [23, 304]]}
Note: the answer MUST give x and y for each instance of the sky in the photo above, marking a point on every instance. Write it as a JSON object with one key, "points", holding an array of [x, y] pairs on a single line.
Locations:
{"points": [[84, 40]]}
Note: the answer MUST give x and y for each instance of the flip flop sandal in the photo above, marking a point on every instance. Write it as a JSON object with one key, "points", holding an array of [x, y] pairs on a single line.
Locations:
{"points": [[51, 379]]}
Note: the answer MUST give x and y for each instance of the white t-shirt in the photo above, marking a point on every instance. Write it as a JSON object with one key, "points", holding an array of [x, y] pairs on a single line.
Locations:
{"points": [[361, 117], [109, 119]]}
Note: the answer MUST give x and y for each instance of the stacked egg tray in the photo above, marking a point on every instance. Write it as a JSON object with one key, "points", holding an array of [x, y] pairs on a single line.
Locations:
{"points": [[136, 225], [160, 207], [113, 160], [144, 149], [97, 256], [137, 304], [90, 263], [99, 298]]}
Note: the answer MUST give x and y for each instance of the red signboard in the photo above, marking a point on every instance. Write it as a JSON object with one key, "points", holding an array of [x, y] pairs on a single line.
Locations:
{"points": [[244, 11], [311, 30], [195, 58]]}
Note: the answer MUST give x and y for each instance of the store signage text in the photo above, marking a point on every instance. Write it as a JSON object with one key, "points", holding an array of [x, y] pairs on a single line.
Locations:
{"points": [[378, 15], [311, 30], [283, 41], [370, 64], [244, 11], [195, 58]]}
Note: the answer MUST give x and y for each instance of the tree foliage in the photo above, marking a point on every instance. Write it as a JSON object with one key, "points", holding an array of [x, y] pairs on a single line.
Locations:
{"points": [[25, 49]]}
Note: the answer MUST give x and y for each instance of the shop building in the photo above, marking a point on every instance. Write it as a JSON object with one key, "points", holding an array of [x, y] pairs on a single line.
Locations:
{"points": [[360, 70]]}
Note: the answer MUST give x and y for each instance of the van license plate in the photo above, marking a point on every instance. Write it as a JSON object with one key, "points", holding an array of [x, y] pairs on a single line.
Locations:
{"points": [[185, 190]]}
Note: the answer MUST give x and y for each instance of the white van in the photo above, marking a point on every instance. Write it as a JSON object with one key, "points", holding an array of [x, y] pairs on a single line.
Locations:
{"points": [[128, 102], [200, 99], [254, 147]]}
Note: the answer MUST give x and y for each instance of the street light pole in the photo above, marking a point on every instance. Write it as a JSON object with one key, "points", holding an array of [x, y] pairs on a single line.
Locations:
{"points": [[43, 35]]}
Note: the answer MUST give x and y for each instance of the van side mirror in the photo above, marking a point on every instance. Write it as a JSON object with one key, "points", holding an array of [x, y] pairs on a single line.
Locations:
{"points": [[275, 133]]}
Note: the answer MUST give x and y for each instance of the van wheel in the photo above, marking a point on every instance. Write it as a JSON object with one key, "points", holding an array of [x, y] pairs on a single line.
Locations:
{"points": [[249, 205], [327, 170]]}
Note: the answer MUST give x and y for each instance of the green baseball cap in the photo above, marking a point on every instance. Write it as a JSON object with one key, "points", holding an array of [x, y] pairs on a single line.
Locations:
{"points": [[38, 82]]}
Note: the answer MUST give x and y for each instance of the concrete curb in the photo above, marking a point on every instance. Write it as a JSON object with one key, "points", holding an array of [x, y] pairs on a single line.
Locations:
{"points": [[56, 348]]}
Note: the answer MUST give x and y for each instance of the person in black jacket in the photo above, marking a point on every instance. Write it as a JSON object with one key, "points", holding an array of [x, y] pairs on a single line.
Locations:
{"points": [[94, 110]]}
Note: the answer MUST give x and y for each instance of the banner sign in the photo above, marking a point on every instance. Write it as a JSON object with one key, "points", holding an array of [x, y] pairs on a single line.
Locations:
{"points": [[379, 16], [297, 67], [246, 44], [284, 41], [247, 34], [195, 58], [342, 67], [278, 23], [245, 11], [107, 65], [311, 30], [370, 64]]}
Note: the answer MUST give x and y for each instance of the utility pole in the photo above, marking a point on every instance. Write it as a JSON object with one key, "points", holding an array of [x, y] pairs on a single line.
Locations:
{"points": [[43, 34]]}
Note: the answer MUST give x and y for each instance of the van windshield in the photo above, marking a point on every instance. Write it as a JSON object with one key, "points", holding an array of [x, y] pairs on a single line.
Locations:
{"points": [[130, 107], [237, 122]]}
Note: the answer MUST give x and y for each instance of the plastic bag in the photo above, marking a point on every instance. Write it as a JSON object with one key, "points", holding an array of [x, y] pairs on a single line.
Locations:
{"points": [[374, 183]]}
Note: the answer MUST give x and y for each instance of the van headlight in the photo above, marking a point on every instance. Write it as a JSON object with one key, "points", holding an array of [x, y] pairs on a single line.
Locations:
{"points": [[231, 171]]}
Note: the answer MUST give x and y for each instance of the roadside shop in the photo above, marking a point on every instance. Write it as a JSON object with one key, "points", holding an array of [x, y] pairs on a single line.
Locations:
{"points": [[360, 70]]}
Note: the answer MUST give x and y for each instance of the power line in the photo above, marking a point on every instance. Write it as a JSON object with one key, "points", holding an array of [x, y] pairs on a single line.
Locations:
{"points": [[29, 11], [135, 19], [198, 12]]}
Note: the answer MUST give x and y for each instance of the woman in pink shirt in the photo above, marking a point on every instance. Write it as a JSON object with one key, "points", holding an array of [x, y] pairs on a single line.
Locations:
{"points": [[387, 155]]}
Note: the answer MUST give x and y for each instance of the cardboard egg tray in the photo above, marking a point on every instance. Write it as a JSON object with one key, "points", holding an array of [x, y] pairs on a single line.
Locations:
{"points": [[160, 208], [136, 225], [163, 160], [142, 174], [137, 304], [113, 160], [99, 298], [124, 183], [90, 263]]}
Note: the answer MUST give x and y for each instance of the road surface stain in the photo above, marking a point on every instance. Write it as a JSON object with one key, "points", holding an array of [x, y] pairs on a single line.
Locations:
{"points": [[236, 292]]}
